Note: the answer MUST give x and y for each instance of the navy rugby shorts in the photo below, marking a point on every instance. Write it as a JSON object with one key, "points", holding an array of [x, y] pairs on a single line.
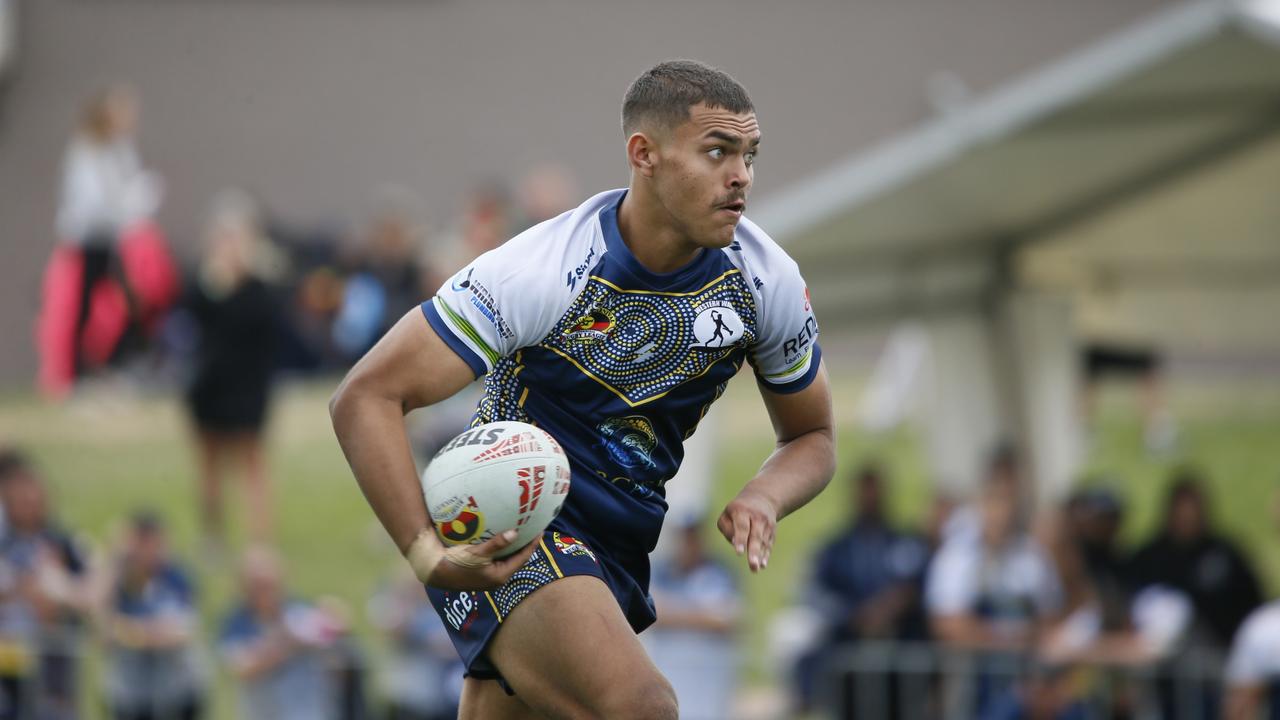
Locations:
{"points": [[473, 617]]}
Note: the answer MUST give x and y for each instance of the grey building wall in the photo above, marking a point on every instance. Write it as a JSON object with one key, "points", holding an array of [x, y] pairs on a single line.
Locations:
{"points": [[311, 103]]}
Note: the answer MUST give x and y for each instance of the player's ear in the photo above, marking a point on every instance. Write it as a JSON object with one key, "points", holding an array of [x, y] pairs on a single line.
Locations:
{"points": [[640, 153]]}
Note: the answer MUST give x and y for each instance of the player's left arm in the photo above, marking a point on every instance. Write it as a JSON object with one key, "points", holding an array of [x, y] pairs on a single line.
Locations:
{"points": [[799, 468]]}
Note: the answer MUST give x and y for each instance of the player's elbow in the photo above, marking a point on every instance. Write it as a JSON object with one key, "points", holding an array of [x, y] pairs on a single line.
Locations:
{"points": [[825, 453], [339, 403], [346, 397]]}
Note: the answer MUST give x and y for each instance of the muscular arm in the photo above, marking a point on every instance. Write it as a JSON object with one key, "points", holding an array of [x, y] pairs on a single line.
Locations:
{"points": [[799, 468], [410, 367]]}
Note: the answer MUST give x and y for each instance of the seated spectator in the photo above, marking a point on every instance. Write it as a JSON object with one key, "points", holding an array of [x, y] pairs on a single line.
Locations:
{"points": [[866, 581], [1107, 624], [992, 588], [693, 641], [1253, 670], [276, 648], [152, 670], [423, 681], [42, 599], [1093, 518], [1188, 554]]}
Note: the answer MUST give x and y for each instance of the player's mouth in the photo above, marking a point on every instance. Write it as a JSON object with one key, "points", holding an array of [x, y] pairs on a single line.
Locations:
{"points": [[734, 208]]}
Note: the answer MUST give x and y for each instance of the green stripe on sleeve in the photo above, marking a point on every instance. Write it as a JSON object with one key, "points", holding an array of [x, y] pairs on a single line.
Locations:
{"points": [[466, 329]]}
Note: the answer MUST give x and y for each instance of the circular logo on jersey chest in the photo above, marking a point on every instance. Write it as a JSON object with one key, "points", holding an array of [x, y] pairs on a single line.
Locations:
{"points": [[717, 326]]}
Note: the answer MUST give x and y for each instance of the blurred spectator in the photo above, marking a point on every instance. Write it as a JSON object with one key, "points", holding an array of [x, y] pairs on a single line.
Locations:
{"points": [[1107, 624], [423, 679], [545, 192], [386, 280], [42, 600], [1094, 517], [276, 648], [693, 641], [991, 587], [487, 221], [1189, 555], [235, 314], [152, 671], [105, 191], [347, 662], [866, 582], [995, 588], [486, 224], [1253, 669]]}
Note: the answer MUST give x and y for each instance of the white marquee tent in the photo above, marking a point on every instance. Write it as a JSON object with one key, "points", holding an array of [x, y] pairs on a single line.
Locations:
{"points": [[1126, 191]]}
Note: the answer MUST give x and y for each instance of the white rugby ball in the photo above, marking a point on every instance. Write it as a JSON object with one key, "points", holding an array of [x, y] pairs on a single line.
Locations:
{"points": [[493, 478]]}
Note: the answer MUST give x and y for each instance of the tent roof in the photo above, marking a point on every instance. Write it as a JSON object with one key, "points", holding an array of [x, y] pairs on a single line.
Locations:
{"points": [[918, 220]]}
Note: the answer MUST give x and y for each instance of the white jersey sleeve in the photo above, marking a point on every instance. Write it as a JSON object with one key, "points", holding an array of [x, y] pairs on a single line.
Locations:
{"points": [[1255, 654], [786, 353], [951, 586], [513, 295]]}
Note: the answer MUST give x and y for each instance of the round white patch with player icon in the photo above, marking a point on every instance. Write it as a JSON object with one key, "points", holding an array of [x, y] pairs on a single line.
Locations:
{"points": [[717, 326]]}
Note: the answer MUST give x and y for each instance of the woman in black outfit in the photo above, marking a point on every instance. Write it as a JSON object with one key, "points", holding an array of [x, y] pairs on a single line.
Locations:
{"points": [[233, 308]]}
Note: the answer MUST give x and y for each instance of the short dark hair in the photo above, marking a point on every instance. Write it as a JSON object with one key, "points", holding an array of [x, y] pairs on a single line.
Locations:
{"points": [[146, 521], [13, 464], [664, 93]]}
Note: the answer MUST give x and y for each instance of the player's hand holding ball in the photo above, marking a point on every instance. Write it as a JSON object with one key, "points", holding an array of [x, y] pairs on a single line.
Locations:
{"points": [[749, 523], [491, 492]]}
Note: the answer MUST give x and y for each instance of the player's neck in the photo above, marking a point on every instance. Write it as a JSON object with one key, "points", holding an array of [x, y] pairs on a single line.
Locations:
{"points": [[649, 234]]}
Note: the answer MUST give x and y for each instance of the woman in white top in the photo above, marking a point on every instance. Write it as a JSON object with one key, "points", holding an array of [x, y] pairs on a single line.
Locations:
{"points": [[105, 190]]}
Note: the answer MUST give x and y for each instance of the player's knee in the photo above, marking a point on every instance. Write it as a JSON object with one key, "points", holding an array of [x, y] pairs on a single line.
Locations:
{"points": [[652, 699]]}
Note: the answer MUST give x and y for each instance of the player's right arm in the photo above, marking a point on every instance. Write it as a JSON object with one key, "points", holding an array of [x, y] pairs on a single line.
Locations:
{"points": [[410, 367]]}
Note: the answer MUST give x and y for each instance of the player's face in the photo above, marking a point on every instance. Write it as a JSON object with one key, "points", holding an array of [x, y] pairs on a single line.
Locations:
{"points": [[706, 173]]}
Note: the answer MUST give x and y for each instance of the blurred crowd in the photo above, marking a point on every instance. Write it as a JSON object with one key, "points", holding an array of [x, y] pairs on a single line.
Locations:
{"points": [[257, 300], [995, 607], [114, 282], [289, 658]]}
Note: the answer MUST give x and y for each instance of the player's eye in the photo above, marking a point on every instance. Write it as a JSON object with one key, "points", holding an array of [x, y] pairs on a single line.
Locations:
{"points": [[750, 157], [716, 153]]}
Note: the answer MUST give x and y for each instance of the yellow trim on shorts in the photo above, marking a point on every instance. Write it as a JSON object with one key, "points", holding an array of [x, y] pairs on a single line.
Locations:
{"points": [[493, 605], [543, 542]]}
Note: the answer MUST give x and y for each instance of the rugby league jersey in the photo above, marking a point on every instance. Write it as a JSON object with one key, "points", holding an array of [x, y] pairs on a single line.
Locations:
{"points": [[617, 362]]}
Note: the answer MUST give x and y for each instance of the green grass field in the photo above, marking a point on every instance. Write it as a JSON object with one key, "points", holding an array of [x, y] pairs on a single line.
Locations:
{"points": [[105, 461]]}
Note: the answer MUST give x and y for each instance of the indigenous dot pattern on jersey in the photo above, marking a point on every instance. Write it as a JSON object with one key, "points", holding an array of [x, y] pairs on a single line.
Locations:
{"points": [[639, 343]]}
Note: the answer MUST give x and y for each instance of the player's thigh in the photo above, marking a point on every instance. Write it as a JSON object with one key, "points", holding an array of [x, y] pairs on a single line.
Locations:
{"points": [[568, 652], [486, 700]]}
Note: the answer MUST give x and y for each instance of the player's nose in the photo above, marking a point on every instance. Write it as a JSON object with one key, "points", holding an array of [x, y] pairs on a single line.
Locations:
{"points": [[739, 173]]}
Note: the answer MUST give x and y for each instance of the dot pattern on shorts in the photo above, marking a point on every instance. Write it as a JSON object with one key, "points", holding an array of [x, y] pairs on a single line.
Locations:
{"points": [[535, 573]]}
